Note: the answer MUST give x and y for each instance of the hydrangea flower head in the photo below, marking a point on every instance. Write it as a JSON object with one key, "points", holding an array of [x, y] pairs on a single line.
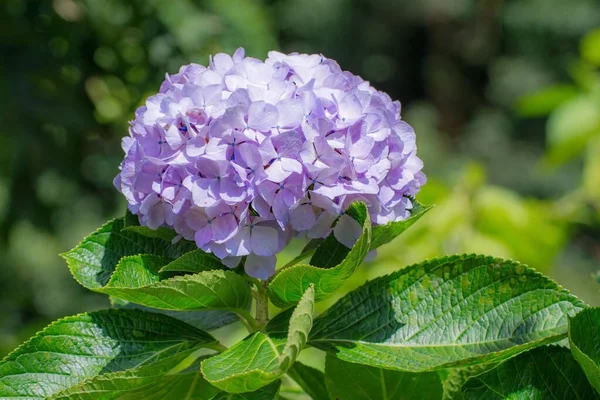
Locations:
{"points": [[243, 155]]}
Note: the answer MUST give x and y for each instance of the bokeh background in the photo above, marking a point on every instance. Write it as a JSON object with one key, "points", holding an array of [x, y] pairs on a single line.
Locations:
{"points": [[504, 96]]}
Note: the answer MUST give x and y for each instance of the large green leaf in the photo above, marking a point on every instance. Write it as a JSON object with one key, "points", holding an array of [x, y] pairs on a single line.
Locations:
{"points": [[549, 372], [451, 311], [131, 223], [332, 265], [584, 338], [194, 262], [75, 348], [150, 382], [383, 234], [349, 381], [94, 260], [127, 265], [159, 381], [310, 379], [137, 279], [261, 358], [160, 233], [246, 366], [205, 320]]}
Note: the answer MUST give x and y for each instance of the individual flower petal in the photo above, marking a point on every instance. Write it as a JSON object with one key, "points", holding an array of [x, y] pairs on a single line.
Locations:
{"points": [[263, 240], [347, 231], [261, 267]]}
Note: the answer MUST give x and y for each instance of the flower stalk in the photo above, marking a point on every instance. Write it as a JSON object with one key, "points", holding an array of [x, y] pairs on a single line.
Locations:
{"points": [[262, 305]]}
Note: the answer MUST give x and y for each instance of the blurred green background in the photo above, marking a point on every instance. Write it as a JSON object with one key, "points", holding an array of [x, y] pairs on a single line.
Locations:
{"points": [[504, 96]]}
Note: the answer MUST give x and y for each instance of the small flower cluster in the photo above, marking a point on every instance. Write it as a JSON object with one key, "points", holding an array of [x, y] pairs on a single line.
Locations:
{"points": [[244, 155]]}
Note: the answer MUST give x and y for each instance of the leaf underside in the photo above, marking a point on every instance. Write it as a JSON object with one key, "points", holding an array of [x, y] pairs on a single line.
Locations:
{"points": [[548, 372], [332, 265], [584, 339], [360, 382]]}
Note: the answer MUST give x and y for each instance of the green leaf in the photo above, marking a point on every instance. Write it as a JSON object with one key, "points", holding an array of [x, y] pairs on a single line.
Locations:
{"points": [[310, 379], [548, 372], [94, 260], [333, 264], [75, 348], [590, 47], [330, 252], [360, 382], [205, 320], [301, 323], [543, 102], [163, 233], [455, 378], [130, 219], [127, 265], [591, 170], [137, 279], [246, 366], [194, 262], [383, 234], [261, 358], [268, 392], [584, 339], [449, 312], [131, 223], [571, 126], [154, 381]]}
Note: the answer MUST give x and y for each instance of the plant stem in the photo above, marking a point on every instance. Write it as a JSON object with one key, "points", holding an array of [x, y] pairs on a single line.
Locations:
{"points": [[217, 346], [259, 288], [262, 305], [249, 321]]}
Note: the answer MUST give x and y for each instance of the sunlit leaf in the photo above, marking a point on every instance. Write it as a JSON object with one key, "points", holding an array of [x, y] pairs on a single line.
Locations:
{"points": [[332, 265], [149, 382], [75, 348], [94, 260], [448, 312], [126, 265], [382, 234], [194, 262], [261, 358], [205, 320], [136, 279]]}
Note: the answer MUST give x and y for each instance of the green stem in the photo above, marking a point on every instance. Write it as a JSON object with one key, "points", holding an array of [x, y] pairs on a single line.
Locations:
{"points": [[217, 346], [257, 284], [249, 321], [262, 306]]}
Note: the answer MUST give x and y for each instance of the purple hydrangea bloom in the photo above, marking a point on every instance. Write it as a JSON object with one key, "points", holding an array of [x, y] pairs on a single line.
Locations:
{"points": [[243, 155]]}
